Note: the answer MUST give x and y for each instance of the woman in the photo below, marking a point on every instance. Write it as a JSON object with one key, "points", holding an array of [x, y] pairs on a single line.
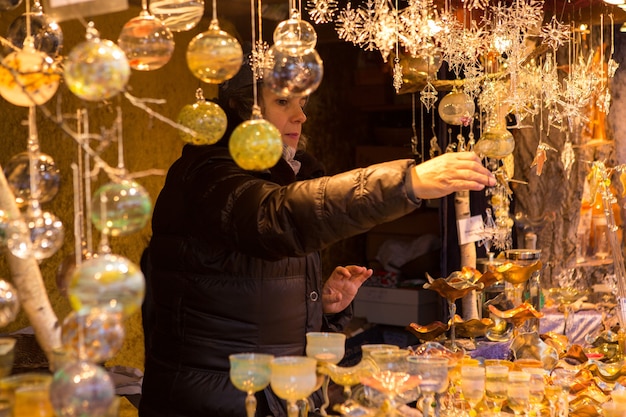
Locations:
{"points": [[233, 264]]}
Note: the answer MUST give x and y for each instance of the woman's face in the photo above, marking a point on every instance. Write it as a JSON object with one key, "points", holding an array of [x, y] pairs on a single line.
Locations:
{"points": [[287, 114]]}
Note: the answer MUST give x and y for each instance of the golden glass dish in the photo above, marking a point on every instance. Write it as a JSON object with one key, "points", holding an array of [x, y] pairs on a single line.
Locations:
{"points": [[517, 315], [428, 332], [472, 328]]}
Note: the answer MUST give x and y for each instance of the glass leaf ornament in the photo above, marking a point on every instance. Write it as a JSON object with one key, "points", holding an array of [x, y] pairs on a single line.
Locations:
{"points": [[214, 56], [81, 389], [294, 35], [28, 77], [17, 173], [456, 108], [46, 33], [38, 234], [9, 4], [107, 281], [120, 208], [294, 75], [205, 118], [9, 303], [96, 69], [95, 334], [178, 15], [256, 144], [147, 42]]}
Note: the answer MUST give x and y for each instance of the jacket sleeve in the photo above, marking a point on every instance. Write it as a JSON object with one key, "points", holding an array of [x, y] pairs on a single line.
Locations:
{"points": [[263, 219]]}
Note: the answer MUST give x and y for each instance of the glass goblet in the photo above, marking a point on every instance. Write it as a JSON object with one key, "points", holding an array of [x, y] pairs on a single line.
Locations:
{"points": [[536, 388], [553, 393], [325, 348], [518, 392], [473, 385], [293, 378], [495, 386], [434, 379], [250, 372]]}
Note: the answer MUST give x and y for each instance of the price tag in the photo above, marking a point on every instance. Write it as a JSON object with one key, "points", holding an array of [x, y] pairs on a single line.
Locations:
{"points": [[470, 230], [60, 10]]}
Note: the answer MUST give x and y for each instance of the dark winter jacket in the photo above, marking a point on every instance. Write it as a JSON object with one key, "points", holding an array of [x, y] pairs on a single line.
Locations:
{"points": [[233, 266]]}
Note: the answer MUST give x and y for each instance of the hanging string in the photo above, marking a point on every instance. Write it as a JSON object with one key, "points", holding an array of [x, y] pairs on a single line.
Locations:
{"points": [[214, 17], [256, 110]]}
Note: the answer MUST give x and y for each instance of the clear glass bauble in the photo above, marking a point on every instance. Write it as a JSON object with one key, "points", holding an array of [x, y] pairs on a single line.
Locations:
{"points": [[17, 173], [9, 303], [294, 35], [47, 34], [214, 56], [94, 334], [107, 281], [120, 208], [9, 4], [206, 119], [96, 69], [416, 69], [178, 15], [256, 145], [4, 224], [293, 75], [147, 42], [81, 389], [457, 108], [37, 233], [496, 141], [28, 77]]}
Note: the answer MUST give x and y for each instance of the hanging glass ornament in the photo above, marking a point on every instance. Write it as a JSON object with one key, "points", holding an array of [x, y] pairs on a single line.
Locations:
{"points": [[95, 334], [28, 77], [205, 118], [293, 75], [4, 224], [9, 303], [415, 70], [178, 15], [17, 173], [9, 4], [496, 141], [295, 36], [147, 42], [107, 281], [120, 208], [214, 56], [96, 69], [81, 389], [256, 144], [37, 233], [46, 33], [457, 108]]}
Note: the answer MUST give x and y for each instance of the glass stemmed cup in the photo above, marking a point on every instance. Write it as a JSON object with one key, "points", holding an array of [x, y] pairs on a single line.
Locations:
{"points": [[553, 393], [518, 392], [326, 348], [250, 372], [434, 379], [536, 388], [293, 378], [473, 385], [495, 386]]}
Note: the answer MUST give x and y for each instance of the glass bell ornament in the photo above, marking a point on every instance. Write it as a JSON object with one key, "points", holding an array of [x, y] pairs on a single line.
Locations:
{"points": [[9, 4], [496, 141], [457, 108], [28, 77], [81, 389], [96, 333], [293, 75], [205, 118], [107, 281], [46, 33], [214, 56], [9, 303], [17, 173], [120, 208], [294, 35], [256, 144], [178, 15], [37, 233], [147, 42], [96, 69]]}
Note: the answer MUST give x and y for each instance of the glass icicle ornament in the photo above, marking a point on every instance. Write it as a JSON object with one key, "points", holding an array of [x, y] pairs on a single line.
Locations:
{"points": [[46, 33], [256, 144], [214, 56], [178, 15], [293, 75], [294, 35], [96, 69], [206, 119], [147, 42]]}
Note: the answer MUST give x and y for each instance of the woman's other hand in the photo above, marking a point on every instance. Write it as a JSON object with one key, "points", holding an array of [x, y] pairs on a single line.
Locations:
{"points": [[448, 173], [342, 286]]}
